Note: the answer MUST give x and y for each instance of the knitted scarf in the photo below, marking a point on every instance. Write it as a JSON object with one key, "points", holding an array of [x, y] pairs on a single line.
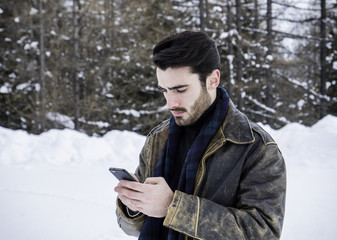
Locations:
{"points": [[153, 227]]}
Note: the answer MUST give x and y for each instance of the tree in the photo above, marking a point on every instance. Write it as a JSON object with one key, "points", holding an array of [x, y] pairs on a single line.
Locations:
{"points": [[87, 65]]}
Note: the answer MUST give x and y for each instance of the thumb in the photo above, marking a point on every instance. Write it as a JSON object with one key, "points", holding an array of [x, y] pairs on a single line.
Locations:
{"points": [[153, 180], [134, 176]]}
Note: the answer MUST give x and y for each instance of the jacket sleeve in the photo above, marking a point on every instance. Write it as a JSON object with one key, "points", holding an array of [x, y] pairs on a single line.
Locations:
{"points": [[258, 213], [133, 226]]}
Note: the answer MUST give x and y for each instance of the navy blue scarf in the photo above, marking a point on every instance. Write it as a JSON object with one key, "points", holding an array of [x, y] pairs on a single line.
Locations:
{"points": [[153, 227]]}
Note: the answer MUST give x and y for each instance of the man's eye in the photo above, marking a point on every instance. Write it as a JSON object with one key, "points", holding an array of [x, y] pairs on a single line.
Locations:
{"points": [[181, 90]]}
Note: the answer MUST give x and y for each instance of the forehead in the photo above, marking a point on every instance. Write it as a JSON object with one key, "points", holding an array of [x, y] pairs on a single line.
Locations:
{"points": [[176, 76]]}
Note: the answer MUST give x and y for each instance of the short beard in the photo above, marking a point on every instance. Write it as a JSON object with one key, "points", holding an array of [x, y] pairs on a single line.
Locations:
{"points": [[202, 103]]}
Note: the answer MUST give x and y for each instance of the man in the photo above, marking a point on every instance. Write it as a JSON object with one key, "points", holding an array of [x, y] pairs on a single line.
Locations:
{"points": [[208, 172]]}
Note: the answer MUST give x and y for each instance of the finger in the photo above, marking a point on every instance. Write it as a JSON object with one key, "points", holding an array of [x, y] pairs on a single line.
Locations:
{"points": [[131, 204], [136, 186], [129, 193]]}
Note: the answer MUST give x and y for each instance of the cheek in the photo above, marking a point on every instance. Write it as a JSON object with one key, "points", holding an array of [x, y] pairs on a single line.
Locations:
{"points": [[190, 100]]}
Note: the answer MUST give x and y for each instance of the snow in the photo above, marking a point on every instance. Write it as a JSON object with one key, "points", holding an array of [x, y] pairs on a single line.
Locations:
{"points": [[6, 88], [302, 10], [61, 119], [57, 185], [32, 45], [33, 11], [334, 65]]}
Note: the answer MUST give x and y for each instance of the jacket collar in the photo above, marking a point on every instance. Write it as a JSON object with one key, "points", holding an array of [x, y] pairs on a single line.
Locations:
{"points": [[236, 127]]}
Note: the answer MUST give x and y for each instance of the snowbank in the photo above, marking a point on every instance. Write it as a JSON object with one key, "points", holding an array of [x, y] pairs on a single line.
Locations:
{"points": [[57, 185]]}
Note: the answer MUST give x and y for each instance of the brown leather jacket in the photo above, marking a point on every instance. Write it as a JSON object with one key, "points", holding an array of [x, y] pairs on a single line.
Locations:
{"points": [[239, 190]]}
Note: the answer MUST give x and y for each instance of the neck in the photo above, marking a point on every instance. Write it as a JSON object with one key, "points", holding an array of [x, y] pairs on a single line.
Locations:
{"points": [[205, 116]]}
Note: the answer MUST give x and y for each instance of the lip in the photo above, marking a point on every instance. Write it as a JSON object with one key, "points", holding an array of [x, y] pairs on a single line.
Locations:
{"points": [[177, 113]]}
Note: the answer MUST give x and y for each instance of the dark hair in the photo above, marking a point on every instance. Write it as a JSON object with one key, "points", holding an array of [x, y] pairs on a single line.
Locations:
{"points": [[188, 49]]}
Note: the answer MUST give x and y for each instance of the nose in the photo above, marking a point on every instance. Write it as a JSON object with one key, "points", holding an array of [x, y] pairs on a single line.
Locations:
{"points": [[171, 101]]}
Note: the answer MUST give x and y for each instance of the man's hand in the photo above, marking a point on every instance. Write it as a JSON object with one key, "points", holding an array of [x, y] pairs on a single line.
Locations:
{"points": [[151, 197]]}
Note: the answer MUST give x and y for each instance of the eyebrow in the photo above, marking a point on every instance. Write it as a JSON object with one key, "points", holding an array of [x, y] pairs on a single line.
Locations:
{"points": [[173, 88]]}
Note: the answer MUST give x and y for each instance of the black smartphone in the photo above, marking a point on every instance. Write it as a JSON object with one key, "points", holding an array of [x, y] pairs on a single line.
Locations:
{"points": [[121, 173]]}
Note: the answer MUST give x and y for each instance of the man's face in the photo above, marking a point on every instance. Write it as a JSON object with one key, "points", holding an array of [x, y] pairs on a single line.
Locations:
{"points": [[185, 97]]}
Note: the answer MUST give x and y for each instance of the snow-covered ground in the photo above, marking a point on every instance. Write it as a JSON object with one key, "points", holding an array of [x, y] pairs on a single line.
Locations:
{"points": [[57, 186]]}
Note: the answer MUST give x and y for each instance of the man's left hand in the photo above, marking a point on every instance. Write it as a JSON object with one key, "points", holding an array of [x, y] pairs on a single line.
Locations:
{"points": [[151, 197]]}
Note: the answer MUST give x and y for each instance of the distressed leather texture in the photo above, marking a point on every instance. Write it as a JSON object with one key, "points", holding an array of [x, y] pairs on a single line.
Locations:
{"points": [[240, 185]]}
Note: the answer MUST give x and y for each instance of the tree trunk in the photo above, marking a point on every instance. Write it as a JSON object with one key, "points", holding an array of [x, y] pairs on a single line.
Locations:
{"points": [[42, 102], [109, 19], [75, 67], [323, 73], [257, 40], [202, 15], [269, 97], [239, 58], [230, 55]]}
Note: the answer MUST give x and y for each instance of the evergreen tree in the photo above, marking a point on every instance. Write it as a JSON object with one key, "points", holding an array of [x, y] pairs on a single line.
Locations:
{"points": [[86, 65]]}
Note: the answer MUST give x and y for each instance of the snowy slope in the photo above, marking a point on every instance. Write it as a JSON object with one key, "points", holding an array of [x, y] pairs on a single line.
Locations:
{"points": [[57, 186]]}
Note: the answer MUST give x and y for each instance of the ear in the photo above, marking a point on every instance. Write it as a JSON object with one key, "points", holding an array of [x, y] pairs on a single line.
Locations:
{"points": [[213, 80]]}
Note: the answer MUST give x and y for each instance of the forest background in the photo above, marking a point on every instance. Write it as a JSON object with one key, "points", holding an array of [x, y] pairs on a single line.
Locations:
{"points": [[86, 64]]}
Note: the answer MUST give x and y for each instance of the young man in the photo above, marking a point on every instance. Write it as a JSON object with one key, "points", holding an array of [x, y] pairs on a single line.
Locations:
{"points": [[208, 172]]}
